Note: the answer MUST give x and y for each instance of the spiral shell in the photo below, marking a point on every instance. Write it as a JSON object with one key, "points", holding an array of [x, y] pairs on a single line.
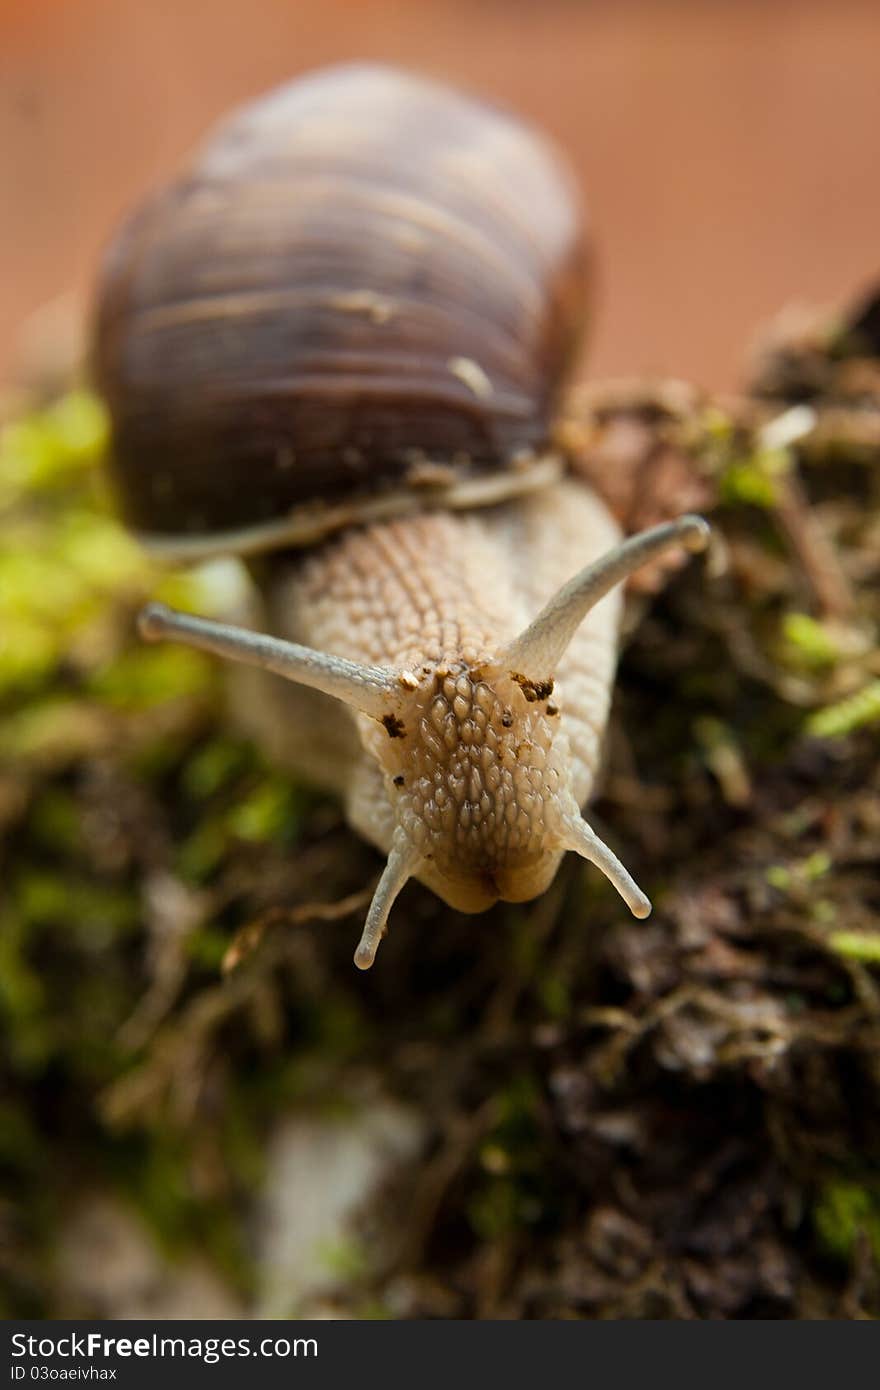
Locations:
{"points": [[364, 296]]}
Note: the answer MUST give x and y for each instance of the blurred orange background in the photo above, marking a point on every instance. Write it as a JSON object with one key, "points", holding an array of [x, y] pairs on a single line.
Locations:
{"points": [[730, 152]]}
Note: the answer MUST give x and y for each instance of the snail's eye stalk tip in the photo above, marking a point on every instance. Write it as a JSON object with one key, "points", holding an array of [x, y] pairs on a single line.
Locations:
{"points": [[402, 862], [364, 957], [539, 648], [576, 834], [152, 622], [696, 533]]}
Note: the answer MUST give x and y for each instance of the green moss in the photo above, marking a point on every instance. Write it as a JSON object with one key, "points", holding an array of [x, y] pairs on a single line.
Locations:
{"points": [[512, 1194], [272, 811], [41, 898], [22, 994], [499, 1208], [197, 856], [213, 766], [45, 449], [555, 993], [823, 912], [752, 481], [844, 717], [262, 810], [149, 676], [373, 1310], [55, 821], [799, 873], [20, 1141], [816, 865], [339, 1027], [126, 786], [844, 1212], [778, 876], [51, 730], [207, 948], [345, 1259], [809, 642], [861, 946], [159, 1179]]}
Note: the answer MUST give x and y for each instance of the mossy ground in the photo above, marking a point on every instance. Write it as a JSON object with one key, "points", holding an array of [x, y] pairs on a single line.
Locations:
{"points": [[676, 1118]]}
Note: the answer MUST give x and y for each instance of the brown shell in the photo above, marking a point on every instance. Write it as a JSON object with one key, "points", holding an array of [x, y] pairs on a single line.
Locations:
{"points": [[368, 284]]}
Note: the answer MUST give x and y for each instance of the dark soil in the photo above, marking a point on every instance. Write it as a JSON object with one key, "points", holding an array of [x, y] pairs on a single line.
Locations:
{"points": [[673, 1119]]}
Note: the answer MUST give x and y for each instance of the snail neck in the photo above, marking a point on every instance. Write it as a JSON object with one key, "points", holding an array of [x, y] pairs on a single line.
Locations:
{"points": [[429, 486]]}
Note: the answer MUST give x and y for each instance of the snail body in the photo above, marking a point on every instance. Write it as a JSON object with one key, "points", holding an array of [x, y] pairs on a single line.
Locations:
{"points": [[473, 754], [340, 340]]}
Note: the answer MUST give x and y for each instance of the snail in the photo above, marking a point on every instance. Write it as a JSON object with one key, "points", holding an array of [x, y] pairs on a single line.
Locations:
{"points": [[337, 345]]}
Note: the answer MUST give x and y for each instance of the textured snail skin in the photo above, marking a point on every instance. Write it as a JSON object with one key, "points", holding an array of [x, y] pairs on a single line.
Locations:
{"points": [[475, 772]]}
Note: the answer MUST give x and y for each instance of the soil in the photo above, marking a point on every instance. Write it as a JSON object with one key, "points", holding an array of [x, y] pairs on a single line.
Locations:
{"points": [[677, 1118]]}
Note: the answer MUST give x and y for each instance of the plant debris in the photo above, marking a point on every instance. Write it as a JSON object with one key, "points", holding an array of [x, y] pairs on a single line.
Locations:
{"points": [[675, 1119]]}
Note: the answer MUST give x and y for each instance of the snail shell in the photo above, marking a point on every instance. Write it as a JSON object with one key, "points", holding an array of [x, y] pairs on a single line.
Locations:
{"points": [[364, 296]]}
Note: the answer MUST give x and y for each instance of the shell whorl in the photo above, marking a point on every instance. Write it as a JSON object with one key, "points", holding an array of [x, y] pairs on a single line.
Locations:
{"points": [[367, 282]]}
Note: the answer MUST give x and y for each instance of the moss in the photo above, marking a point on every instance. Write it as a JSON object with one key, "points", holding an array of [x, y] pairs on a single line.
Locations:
{"points": [[48, 448], [239, 801], [555, 995], [55, 820], [198, 856], [845, 1212], [141, 678], [499, 1208], [799, 874], [213, 766], [22, 1001], [159, 1179], [845, 716], [511, 1194], [272, 811], [347, 1260], [752, 481], [861, 946], [810, 643], [579, 1076], [97, 912]]}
